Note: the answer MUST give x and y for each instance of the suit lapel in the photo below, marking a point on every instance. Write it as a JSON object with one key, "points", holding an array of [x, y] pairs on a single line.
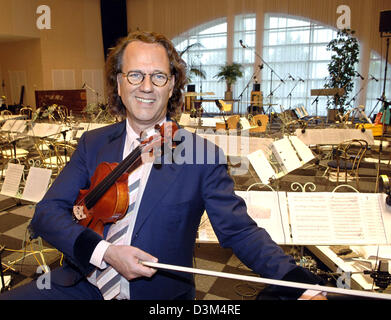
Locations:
{"points": [[113, 150], [157, 186]]}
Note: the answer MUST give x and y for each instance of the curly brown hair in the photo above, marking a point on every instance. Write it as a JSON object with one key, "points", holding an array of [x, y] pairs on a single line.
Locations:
{"points": [[114, 66]]}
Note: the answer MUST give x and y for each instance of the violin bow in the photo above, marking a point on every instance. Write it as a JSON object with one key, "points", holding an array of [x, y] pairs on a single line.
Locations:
{"points": [[358, 293]]}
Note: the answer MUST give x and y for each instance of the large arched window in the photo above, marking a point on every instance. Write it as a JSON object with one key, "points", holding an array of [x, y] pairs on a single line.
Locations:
{"points": [[208, 52], [295, 49]]}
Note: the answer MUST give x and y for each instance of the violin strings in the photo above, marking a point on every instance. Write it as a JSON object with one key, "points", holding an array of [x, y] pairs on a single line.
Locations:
{"points": [[94, 195]]}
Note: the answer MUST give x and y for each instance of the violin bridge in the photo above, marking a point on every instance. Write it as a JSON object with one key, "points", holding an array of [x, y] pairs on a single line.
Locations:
{"points": [[78, 212]]}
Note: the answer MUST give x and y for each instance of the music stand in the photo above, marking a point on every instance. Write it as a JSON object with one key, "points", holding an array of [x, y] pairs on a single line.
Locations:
{"points": [[336, 92]]}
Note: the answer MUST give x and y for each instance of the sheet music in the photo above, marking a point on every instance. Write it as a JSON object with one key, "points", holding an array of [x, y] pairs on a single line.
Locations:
{"points": [[44, 129], [11, 183], [286, 155], [336, 218], [36, 184], [211, 122], [8, 124], [83, 125], [238, 146], [262, 166], [245, 124], [333, 136], [97, 125], [304, 152], [269, 211], [19, 126]]}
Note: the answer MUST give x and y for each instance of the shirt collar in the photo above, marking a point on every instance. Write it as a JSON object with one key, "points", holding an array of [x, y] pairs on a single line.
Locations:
{"points": [[132, 136]]}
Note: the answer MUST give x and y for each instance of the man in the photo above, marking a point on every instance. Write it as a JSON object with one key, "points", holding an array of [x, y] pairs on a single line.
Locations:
{"points": [[146, 78]]}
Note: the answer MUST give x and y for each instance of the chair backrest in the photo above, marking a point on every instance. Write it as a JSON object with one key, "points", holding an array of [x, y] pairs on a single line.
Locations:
{"points": [[353, 150], [26, 111], [233, 122], [260, 121], [6, 113]]}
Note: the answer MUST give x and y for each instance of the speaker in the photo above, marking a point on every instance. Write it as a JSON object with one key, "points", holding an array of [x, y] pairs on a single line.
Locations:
{"points": [[114, 22], [256, 87], [385, 21]]}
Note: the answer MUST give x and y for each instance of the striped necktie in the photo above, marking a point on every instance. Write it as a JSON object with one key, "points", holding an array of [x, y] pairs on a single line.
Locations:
{"points": [[108, 280]]}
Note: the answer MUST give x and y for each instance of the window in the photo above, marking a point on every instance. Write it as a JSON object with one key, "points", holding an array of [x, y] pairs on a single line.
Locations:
{"points": [[376, 84], [245, 31], [295, 49], [208, 54]]}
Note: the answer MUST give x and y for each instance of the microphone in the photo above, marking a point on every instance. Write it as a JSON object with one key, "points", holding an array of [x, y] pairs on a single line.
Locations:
{"points": [[290, 77], [373, 78], [301, 80], [362, 78], [241, 43], [260, 66], [84, 84]]}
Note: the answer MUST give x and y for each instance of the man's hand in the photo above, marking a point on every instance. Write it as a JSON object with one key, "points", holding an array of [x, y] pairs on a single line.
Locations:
{"points": [[319, 296], [125, 259]]}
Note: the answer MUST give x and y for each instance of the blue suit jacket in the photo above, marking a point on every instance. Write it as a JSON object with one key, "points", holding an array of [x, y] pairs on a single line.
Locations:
{"points": [[173, 202]]}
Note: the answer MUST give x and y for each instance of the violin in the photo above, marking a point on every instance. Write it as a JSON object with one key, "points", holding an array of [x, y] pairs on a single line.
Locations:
{"points": [[107, 198]]}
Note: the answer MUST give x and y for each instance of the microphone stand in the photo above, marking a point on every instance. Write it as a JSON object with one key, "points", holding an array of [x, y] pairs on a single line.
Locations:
{"points": [[290, 93], [316, 100], [386, 105], [246, 88], [271, 75]]}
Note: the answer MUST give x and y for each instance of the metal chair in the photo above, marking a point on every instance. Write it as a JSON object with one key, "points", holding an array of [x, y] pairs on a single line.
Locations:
{"points": [[53, 155], [347, 159], [27, 112]]}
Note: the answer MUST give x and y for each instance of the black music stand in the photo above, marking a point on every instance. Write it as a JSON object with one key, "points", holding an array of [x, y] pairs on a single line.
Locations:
{"points": [[336, 92]]}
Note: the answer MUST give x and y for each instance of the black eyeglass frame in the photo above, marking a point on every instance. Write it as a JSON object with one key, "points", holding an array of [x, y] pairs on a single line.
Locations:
{"points": [[126, 75]]}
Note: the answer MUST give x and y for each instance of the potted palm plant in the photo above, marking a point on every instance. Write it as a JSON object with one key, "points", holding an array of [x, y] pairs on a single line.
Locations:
{"points": [[229, 73]]}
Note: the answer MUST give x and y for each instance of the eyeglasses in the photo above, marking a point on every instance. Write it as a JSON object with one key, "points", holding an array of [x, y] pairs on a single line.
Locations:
{"points": [[159, 79]]}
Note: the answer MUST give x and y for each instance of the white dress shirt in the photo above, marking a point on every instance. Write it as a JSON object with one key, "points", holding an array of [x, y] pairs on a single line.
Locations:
{"points": [[97, 256]]}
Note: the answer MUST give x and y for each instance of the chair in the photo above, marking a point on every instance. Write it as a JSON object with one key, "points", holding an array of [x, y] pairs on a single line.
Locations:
{"points": [[62, 113], [53, 155], [26, 111], [260, 122], [6, 113], [287, 119], [304, 119], [9, 151], [347, 159], [233, 122]]}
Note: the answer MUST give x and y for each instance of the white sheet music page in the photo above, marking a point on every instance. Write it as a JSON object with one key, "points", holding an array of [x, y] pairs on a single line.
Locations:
{"points": [[286, 155], [336, 218], [12, 179], [261, 166], [7, 126], [19, 126], [309, 216], [269, 211], [36, 184]]}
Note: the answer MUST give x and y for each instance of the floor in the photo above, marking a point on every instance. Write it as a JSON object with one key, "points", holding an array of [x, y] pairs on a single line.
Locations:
{"points": [[22, 258]]}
